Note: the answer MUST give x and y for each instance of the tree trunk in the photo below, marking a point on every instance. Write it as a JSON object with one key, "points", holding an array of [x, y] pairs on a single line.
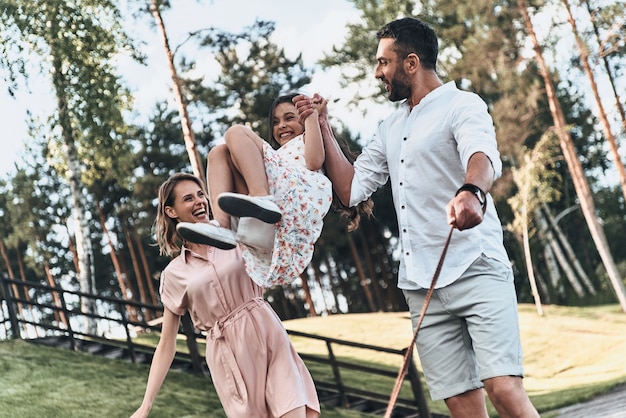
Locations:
{"points": [[529, 262], [58, 314], [126, 293], [553, 272], [20, 264], [188, 135], [581, 185], [606, 126], [607, 67], [367, 255], [318, 279], [7, 261], [136, 269], [304, 277], [333, 282], [71, 247], [569, 251], [146, 270], [556, 250], [360, 272], [84, 250]]}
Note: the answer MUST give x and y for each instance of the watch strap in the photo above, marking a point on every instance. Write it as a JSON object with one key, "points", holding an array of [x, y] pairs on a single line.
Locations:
{"points": [[477, 191]]}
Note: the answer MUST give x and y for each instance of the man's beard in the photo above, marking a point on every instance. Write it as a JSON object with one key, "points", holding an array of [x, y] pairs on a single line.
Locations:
{"points": [[400, 87]]}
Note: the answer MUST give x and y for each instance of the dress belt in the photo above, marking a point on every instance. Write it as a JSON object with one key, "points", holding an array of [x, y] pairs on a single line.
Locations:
{"points": [[215, 332]]}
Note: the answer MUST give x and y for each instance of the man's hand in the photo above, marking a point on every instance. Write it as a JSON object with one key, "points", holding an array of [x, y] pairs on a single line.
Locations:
{"points": [[321, 105], [306, 106], [464, 211]]}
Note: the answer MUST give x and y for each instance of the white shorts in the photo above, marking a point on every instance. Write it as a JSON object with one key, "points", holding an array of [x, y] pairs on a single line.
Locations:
{"points": [[470, 331]]}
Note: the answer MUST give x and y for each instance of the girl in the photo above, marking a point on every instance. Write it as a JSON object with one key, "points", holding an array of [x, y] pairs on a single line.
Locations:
{"points": [[255, 369], [283, 184]]}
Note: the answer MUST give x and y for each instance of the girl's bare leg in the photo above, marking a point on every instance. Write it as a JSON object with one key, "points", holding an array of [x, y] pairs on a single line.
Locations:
{"points": [[222, 176], [246, 152]]}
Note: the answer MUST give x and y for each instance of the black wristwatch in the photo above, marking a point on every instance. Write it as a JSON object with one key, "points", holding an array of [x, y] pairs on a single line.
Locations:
{"points": [[478, 192]]}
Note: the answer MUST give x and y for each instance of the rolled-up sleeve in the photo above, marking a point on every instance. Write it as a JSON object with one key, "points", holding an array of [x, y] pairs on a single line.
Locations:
{"points": [[474, 132]]}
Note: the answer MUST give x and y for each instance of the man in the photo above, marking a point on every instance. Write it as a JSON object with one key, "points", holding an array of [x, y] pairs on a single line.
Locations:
{"points": [[440, 152]]}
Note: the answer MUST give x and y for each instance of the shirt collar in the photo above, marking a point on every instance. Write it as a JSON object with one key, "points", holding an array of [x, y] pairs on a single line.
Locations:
{"points": [[185, 253], [432, 95]]}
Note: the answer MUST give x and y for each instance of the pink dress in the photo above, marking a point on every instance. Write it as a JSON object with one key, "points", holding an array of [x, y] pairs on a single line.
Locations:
{"points": [[255, 369], [304, 197]]}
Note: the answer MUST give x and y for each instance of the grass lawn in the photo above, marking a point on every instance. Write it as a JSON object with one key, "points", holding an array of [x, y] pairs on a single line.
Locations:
{"points": [[570, 355]]}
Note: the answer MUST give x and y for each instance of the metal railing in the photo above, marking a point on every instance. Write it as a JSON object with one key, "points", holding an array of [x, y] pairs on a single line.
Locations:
{"points": [[34, 310]]}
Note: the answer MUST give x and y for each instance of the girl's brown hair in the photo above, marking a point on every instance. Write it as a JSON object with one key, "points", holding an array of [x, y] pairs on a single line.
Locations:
{"points": [[350, 216], [165, 227]]}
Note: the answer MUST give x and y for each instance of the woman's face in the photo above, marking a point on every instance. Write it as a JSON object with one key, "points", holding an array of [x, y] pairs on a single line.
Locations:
{"points": [[190, 203], [286, 123]]}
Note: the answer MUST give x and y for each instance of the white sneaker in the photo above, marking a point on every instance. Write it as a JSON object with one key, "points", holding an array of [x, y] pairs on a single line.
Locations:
{"points": [[241, 205], [256, 233], [208, 234]]}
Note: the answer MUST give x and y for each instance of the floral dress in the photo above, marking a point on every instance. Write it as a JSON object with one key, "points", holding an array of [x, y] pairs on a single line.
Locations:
{"points": [[304, 197]]}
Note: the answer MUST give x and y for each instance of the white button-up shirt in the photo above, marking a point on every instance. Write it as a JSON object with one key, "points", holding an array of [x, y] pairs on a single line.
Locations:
{"points": [[425, 152]]}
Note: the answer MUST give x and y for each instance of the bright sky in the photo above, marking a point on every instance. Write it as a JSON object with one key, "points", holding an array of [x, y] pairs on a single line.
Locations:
{"points": [[307, 27]]}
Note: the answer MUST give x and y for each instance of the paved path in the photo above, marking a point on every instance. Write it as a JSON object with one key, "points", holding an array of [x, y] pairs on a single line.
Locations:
{"points": [[609, 405]]}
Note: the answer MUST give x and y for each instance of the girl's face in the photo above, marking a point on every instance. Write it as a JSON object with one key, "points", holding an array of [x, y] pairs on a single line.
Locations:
{"points": [[286, 123], [190, 203]]}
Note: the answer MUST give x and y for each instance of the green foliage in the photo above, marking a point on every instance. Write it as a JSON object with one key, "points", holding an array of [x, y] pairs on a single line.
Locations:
{"points": [[254, 71], [536, 180], [357, 56], [76, 45]]}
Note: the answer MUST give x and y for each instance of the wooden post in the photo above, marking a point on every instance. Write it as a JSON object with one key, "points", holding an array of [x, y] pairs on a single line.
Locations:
{"points": [[416, 387], [192, 345], [8, 296], [337, 375]]}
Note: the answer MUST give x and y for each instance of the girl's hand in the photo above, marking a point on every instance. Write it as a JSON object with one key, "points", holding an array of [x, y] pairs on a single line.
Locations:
{"points": [[305, 106]]}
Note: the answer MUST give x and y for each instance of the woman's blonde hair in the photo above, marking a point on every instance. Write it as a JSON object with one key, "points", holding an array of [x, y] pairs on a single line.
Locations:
{"points": [[167, 238]]}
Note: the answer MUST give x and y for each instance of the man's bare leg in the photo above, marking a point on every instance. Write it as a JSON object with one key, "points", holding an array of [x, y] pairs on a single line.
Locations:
{"points": [[470, 404], [508, 396]]}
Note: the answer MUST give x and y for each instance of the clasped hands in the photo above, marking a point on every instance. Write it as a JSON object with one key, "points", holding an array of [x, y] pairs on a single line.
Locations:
{"points": [[306, 106]]}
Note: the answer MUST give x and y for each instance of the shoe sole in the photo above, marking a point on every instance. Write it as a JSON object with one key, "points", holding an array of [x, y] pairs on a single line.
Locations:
{"points": [[197, 238], [243, 208]]}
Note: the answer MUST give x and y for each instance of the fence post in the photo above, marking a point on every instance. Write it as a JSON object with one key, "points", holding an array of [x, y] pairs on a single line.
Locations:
{"points": [[66, 314], [192, 344], [333, 364], [129, 339], [416, 387], [8, 296]]}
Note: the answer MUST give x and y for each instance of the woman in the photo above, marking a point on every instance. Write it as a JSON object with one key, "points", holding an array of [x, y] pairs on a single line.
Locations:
{"points": [[255, 368]]}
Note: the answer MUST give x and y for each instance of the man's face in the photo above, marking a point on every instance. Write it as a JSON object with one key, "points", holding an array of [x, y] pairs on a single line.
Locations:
{"points": [[390, 70]]}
